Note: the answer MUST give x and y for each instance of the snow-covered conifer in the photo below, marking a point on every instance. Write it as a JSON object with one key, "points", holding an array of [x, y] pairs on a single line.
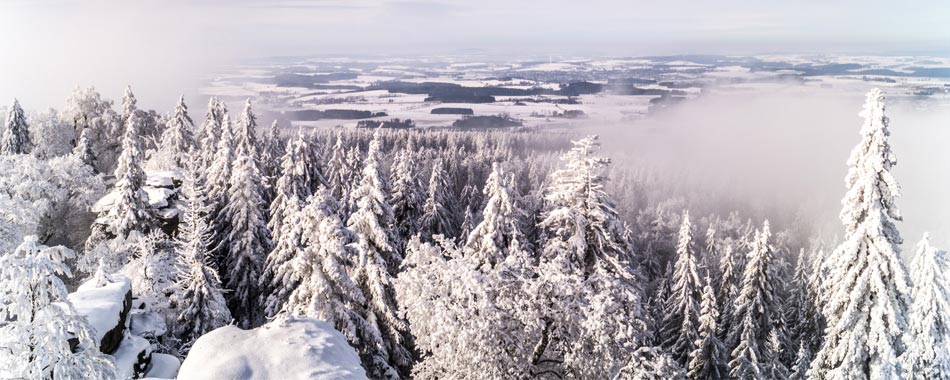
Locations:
{"points": [[746, 358], [378, 260], [178, 141], [756, 305], [131, 211], [491, 239], [774, 368], [407, 192], [587, 290], [436, 216], [16, 133], [245, 134], [84, 150], [679, 328], [651, 363], [928, 335], [198, 291], [248, 240], [867, 297], [707, 360]]}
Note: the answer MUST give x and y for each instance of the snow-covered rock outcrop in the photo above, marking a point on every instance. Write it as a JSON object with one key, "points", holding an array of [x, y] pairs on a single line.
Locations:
{"points": [[285, 349], [129, 335], [107, 307]]}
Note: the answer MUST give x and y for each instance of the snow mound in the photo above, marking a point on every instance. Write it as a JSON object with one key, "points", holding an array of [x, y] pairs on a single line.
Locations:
{"points": [[104, 307], [285, 349], [163, 366], [132, 357]]}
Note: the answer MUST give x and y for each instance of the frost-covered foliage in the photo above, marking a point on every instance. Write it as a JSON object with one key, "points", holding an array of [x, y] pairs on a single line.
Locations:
{"points": [[85, 108], [51, 136], [868, 292], [928, 334], [651, 363], [39, 321], [15, 136], [469, 319], [47, 198], [587, 292]]}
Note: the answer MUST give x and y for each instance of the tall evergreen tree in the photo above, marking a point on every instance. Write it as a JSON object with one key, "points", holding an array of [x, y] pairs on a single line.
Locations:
{"points": [[679, 329], [131, 211], [436, 215], [83, 149], [378, 260], [867, 300], [757, 304], [15, 137], [211, 132], [587, 291], [198, 290], [248, 240], [500, 230], [178, 140], [245, 134], [928, 335], [747, 356], [407, 192], [707, 360], [293, 188]]}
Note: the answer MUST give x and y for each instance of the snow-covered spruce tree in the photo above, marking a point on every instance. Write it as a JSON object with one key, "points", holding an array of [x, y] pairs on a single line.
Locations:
{"points": [[728, 287], [178, 141], [293, 188], [679, 327], [799, 370], [746, 363], [378, 260], [15, 137], [436, 214], [248, 240], [491, 240], [211, 133], [271, 150], [774, 368], [469, 319], [867, 298], [84, 150], [587, 290], [928, 335], [198, 292], [217, 180], [340, 175], [326, 290], [407, 192], [757, 304], [39, 321], [245, 134], [131, 211], [707, 361]]}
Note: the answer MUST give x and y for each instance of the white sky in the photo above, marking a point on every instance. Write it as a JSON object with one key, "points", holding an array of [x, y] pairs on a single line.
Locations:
{"points": [[163, 47]]}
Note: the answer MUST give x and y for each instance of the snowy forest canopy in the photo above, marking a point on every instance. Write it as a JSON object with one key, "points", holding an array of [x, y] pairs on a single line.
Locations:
{"points": [[441, 254]]}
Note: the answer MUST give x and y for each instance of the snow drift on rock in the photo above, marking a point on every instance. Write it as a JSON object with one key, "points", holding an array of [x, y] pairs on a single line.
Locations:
{"points": [[286, 349]]}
